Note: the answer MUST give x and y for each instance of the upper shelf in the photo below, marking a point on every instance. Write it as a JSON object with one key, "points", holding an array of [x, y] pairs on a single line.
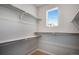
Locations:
{"points": [[24, 12]]}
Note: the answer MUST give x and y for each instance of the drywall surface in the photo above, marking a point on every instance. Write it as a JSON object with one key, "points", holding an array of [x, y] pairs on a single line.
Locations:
{"points": [[12, 26], [29, 8], [15, 27], [59, 43], [67, 14], [19, 47]]}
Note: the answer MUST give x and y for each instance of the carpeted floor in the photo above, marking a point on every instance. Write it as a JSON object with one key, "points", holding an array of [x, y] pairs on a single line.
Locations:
{"points": [[39, 53]]}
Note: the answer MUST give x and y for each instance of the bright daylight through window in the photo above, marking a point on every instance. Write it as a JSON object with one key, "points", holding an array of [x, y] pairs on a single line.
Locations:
{"points": [[52, 17]]}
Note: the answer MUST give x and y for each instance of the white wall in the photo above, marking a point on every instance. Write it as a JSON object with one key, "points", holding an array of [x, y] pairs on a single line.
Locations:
{"points": [[29, 8], [14, 31], [11, 27], [59, 43], [67, 13]]}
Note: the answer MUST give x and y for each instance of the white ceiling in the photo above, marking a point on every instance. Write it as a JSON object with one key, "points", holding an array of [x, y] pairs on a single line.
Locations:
{"points": [[39, 5]]}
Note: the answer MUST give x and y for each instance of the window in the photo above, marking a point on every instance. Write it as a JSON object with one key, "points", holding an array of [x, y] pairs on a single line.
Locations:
{"points": [[52, 17]]}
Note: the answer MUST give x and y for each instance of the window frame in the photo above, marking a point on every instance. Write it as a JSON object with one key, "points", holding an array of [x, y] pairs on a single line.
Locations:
{"points": [[47, 16]]}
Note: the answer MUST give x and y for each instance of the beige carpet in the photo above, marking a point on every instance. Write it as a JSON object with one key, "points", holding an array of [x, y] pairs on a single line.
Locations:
{"points": [[39, 53]]}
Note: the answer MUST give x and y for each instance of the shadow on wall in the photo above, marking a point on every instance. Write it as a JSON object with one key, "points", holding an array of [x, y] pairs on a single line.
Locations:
{"points": [[76, 21]]}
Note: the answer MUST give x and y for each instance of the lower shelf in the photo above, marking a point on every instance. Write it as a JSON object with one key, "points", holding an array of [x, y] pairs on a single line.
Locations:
{"points": [[21, 38]]}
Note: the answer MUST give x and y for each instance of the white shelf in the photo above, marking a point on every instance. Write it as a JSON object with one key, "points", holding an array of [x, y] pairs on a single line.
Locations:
{"points": [[19, 21], [21, 38], [58, 32], [18, 9]]}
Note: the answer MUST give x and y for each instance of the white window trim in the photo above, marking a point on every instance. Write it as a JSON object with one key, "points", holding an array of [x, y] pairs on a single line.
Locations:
{"points": [[47, 15]]}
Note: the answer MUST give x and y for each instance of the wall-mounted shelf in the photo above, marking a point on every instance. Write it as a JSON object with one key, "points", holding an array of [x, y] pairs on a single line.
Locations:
{"points": [[21, 38], [21, 22], [21, 13], [55, 33], [37, 18]]}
